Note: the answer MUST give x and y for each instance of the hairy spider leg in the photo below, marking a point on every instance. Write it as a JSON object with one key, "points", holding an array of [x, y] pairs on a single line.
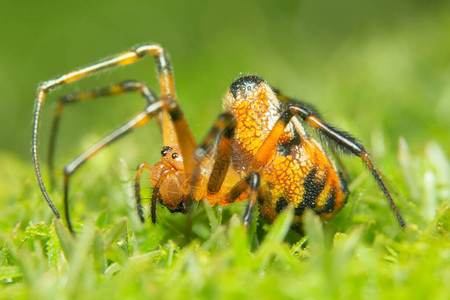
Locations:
{"points": [[329, 133]]}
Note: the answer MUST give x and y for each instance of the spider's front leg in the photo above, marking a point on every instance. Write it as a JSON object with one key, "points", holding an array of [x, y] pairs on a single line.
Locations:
{"points": [[167, 103]]}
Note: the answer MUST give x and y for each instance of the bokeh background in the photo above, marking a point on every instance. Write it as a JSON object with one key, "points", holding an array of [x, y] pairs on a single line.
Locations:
{"points": [[379, 69]]}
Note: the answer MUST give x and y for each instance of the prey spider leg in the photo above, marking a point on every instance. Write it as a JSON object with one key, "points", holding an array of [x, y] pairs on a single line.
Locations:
{"points": [[168, 103], [114, 90]]}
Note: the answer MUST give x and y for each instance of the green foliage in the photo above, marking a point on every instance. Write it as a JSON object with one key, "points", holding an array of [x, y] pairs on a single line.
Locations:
{"points": [[347, 258]]}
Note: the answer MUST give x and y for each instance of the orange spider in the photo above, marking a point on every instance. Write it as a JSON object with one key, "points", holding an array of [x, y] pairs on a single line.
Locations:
{"points": [[256, 150]]}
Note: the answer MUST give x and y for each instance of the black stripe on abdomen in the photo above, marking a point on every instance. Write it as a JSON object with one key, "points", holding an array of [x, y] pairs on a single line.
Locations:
{"points": [[313, 187]]}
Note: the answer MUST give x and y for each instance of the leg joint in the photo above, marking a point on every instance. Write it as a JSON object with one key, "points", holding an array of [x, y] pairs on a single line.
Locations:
{"points": [[152, 49], [254, 181]]}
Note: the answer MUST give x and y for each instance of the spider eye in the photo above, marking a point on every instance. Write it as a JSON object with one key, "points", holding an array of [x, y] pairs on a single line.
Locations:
{"points": [[165, 150], [175, 155]]}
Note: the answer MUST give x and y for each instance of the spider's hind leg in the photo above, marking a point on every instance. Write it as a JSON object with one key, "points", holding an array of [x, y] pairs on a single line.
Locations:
{"points": [[337, 138]]}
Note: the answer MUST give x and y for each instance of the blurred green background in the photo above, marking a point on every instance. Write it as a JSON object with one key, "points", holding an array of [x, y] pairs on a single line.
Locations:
{"points": [[367, 65]]}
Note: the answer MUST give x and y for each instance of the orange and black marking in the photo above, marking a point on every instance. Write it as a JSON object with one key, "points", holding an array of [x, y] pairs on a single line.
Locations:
{"points": [[257, 149], [293, 166]]}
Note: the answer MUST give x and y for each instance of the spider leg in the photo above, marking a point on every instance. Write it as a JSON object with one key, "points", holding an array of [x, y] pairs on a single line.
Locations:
{"points": [[168, 97], [138, 121], [137, 192], [117, 89], [252, 183], [220, 140], [167, 174], [340, 139]]}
